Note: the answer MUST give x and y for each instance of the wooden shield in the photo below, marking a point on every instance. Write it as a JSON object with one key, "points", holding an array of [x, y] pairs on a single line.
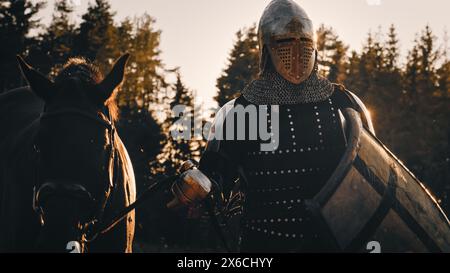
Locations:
{"points": [[372, 199]]}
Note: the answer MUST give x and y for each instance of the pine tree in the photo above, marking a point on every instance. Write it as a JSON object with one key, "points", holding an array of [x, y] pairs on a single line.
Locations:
{"points": [[177, 149], [55, 45], [17, 19], [331, 54], [427, 132], [428, 57], [96, 35], [392, 50], [146, 73], [353, 73], [242, 66]]}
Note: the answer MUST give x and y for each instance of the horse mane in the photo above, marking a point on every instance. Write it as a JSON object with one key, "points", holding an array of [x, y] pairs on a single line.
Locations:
{"points": [[90, 73]]}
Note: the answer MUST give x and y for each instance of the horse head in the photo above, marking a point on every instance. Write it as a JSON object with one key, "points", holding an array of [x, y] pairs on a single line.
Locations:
{"points": [[77, 155]]}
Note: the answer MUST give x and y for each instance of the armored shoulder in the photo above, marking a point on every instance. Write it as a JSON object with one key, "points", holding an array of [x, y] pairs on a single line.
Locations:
{"points": [[356, 103], [362, 109]]}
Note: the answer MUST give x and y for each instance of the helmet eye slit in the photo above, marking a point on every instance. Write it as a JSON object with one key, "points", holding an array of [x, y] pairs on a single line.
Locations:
{"points": [[285, 40]]}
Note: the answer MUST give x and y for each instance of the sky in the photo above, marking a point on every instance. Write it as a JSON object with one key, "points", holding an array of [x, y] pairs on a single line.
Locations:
{"points": [[198, 35]]}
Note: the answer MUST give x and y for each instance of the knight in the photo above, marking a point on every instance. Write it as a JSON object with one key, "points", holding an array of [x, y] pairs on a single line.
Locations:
{"points": [[275, 183]]}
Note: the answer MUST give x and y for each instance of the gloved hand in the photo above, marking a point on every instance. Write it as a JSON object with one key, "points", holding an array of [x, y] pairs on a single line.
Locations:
{"points": [[192, 186]]}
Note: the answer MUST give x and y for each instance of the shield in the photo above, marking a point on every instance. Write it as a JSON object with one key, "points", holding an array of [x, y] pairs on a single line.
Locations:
{"points": [[373, 200]]}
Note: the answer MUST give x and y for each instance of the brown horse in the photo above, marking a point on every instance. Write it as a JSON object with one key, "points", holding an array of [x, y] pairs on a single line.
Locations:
{"points": [[63, 168]]}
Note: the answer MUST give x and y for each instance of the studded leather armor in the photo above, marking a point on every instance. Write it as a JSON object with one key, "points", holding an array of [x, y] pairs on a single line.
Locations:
{"points": [[275, 216]]}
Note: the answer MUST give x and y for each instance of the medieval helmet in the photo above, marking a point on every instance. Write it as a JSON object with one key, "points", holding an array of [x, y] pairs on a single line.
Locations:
{"points": [[286, 34]]}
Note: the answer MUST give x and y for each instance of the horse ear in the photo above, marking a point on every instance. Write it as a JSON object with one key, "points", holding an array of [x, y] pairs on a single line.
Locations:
{"points": [[39, 84], [114, 78]]}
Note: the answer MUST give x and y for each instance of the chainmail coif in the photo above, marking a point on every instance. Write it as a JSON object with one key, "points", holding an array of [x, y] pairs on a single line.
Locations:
{"points": [[272, 89]]}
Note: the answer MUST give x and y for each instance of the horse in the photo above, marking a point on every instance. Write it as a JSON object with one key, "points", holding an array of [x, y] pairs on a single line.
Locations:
{"points": [[63, 168]]}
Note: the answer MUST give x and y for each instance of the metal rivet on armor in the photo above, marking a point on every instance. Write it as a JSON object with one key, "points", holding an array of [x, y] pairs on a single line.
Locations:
{"points": [[332, 108], [294, 150], [321, 141], [287, 151], [315, 107], [289, 110], [287, 235], [299, 200], [289, 171], [293, 136], [320, 133], [309, 149], [282, 172], [318, 120], [294, 143], [292, 129], [293, 235], [291, 123], [296, 171], [303, 170], [320, 126], [272, 232], [290, 116], [317, 113]]}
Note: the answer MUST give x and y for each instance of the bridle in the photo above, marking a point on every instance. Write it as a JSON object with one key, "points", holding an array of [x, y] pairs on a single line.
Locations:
{"points": [[46, 187]]}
